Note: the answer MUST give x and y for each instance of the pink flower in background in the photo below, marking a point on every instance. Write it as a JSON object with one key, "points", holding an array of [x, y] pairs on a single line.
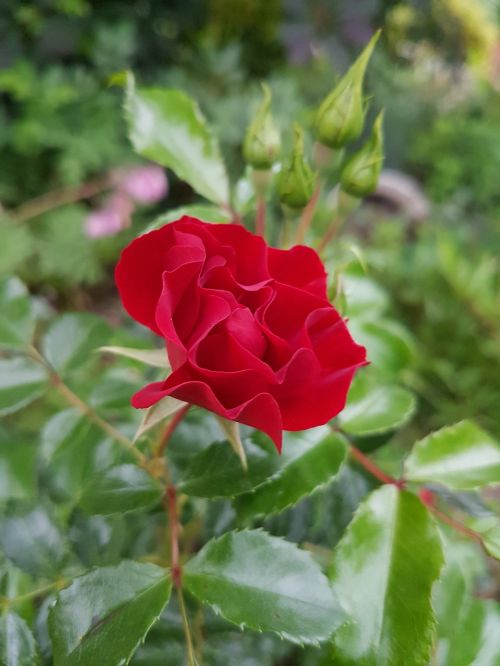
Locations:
{"points": [[103, 222], [147, 184]]}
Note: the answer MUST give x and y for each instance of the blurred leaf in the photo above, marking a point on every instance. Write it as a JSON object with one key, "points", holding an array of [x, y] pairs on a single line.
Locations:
{"points": [[72, 338], [489, 531], [31, 539], [462, 456], [217, 472], [309, 460], [167, 127], [21, 382], [17, 468], [113, 390], [16, 247], [155, 357], [17, 318], [266, 584], [206, 212], [374, 406], [157, 413], [389, 346], [103, 616], [98, 540], [364, 297], [120, 489], [382, 572], [73, 450], [17, 645]]}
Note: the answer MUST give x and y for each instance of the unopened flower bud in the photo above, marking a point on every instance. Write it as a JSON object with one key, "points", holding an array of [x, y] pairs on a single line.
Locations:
{"points": [[262, 139], [362, 170], [341, 116], [296, 179]]}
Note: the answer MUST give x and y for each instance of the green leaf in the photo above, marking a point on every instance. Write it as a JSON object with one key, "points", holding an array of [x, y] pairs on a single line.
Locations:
{"points": [[217, 472], [21, 382], [462, 457], [17, 645], [488, 529], [389, 345], [17, 318], [72, 338], [204, 212], [68, 437], [383, 571], [166, 126], [120, 489], [17, 467], [266, 584], [103, 616], [155, 357], [365, 298], [374, 406], [31, 539], [309, 460]]}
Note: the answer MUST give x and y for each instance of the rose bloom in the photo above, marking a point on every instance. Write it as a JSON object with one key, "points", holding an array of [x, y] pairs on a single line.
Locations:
{"points": [[248, 329]]}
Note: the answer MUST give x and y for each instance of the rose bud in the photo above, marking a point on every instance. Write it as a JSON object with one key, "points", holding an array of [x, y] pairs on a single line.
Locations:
{"points": [[341, 116], [248, 329], [296, 178], [361, 171], [262, 139]]}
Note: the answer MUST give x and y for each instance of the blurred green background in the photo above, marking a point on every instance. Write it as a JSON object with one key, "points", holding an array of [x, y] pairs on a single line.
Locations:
{"points": [[430, 235]]}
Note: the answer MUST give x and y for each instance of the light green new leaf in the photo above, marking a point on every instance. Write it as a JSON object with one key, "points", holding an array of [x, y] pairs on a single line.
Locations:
{"points": [[120, 489], [17, 318], [489, 530], [17, 645], [374, 406], [21, 382], [382, 572], [462, 457], [205, 212], [389, 346], [155, 357], [103, 616], [217, 472], [309, 460], [264, 583], [72, 338], [166, 126]]}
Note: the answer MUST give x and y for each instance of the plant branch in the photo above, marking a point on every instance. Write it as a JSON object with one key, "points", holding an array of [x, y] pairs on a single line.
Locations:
{"points": [[260, 217], [9, 601], [74, 400], [373, 469], [330, 234], [57, 198], [427, 498], [307, 216], [169, 430]]}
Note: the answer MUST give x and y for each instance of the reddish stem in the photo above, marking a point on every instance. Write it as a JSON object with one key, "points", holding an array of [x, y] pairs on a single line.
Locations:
{"points": [[260, 217], [169, 430], [307, 216], [170, 504], [374, 470], [427, 498], [330, 234]]}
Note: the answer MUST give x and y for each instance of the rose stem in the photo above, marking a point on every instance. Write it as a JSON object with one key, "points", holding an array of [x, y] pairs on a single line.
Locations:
{"points": [[170, 507], [330, 234], [169, 430], [260, 217], [427, 497], [83, 407], [57, 198], [307, 216], [374, 470]]}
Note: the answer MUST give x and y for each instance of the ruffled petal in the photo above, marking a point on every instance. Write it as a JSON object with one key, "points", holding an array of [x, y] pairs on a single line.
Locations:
{"points": [[301, 267]]}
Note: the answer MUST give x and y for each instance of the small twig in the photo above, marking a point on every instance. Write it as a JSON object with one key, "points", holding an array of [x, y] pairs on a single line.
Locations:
{"points": [[57, 198], [9, 601], [307, 216], [374, 470], [74, 400], [427, 498], [260, 217], [330, 234], [187, 630], [169, 430]]}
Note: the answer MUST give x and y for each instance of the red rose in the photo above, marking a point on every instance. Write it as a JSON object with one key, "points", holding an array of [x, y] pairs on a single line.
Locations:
{"points": [[249, 331]]}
